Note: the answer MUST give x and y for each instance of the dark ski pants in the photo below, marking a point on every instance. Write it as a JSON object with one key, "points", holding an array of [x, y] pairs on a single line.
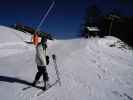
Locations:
{"points": [[41, 72]]}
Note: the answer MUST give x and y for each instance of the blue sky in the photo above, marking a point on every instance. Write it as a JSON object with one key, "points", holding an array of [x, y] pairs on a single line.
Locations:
{"points": [[65, 17]]}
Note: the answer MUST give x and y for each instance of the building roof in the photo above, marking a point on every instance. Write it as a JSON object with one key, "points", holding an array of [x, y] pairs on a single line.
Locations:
{"points": [[92, 28]]}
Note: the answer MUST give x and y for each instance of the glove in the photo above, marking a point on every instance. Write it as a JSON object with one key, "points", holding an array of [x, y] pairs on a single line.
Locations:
{"points": [[47, 60]]}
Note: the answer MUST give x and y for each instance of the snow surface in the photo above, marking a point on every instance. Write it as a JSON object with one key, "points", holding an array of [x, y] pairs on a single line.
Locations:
{"points": [[89, 69]]}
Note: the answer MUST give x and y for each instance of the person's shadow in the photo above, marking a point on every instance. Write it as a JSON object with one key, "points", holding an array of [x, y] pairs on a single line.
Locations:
{"points": [[17, 80]]}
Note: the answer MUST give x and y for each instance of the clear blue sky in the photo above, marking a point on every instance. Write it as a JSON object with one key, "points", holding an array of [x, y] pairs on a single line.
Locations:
{"points": [[66, 16]]}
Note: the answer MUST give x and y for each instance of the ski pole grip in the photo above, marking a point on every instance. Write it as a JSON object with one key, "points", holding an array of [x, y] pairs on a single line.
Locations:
{"points": [[54, 56]]}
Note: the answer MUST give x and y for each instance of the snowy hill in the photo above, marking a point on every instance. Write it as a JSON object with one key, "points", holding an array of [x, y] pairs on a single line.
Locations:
{"points": [[90, 69]]}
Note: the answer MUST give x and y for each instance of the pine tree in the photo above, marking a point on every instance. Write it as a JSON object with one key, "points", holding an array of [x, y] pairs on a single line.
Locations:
{"points": [[91, 18]]}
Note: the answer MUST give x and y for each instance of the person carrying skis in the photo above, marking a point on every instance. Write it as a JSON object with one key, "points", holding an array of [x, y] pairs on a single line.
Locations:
{"points": [[42, 61]]}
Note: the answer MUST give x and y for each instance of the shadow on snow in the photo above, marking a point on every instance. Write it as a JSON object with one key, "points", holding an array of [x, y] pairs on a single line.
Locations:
{"points": [[17, 80]]}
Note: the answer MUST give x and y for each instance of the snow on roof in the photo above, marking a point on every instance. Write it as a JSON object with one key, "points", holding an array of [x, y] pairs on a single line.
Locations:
{"points": [[92, 28]]}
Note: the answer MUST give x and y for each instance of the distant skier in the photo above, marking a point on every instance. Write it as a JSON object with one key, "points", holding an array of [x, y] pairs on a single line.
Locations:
{"points": [[42, 61]]}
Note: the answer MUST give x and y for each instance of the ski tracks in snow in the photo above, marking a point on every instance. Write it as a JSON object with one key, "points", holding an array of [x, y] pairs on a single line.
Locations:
{"points": [[87, 71], [97, 57], [102, 67], [110, 68]]}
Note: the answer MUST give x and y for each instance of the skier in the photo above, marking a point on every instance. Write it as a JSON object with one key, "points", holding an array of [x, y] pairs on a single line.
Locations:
{"points": [[42, 61]]}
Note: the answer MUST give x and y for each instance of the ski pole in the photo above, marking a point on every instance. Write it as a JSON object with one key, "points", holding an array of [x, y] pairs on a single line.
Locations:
{"points": [[56, 68]]}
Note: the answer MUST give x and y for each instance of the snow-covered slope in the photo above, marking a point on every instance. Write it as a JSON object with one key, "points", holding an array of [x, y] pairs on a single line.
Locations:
{"points": [[90, 69], [12, 41]]}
